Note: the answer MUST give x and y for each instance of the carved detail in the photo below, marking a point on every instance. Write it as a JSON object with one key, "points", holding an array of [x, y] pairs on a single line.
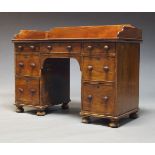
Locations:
{"points": [[130, 32], [85, 113]]}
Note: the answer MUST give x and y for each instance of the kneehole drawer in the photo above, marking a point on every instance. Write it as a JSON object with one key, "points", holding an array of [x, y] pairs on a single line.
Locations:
{"points": [[60, 47]]}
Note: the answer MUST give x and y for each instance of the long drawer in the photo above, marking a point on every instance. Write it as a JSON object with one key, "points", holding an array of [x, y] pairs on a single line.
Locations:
{"points": [[60, 47]]}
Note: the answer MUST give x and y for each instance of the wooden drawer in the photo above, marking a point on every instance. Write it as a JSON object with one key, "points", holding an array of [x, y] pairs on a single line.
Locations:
{"points": [[96, 48], [60, 47], [27, 47], [99, 68], [98, 98], [27, 65], [27, 91]]}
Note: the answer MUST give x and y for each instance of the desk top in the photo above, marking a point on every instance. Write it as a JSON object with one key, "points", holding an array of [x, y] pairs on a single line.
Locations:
{"points": [[105, 32]]}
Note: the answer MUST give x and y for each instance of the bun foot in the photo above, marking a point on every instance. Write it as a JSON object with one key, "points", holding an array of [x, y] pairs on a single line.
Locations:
{"points": [[114, 124], [41, 113], [65, 106], [86, 120], [133, 115], [19, 109]]}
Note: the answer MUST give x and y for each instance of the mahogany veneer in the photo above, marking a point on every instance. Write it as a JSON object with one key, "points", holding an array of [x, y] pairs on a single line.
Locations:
{"points": [[109, 61]]}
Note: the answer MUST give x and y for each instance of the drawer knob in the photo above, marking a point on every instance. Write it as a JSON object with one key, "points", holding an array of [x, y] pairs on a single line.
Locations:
{"points": [[32, 47], [33, 91], [69, 48], [89, 47], [90, 68], [106, 47], [21, 64], [49, 47], [106, 68], [21, 90], [32, 65], [105, 98], [20, 47], [90, 97]]}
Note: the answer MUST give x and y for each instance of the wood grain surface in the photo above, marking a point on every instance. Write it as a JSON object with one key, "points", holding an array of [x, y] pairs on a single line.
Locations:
{"points": [[108, 57]]}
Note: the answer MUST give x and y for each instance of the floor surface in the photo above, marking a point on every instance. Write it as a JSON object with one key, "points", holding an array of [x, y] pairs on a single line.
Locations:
{"points": [[66, 126]]}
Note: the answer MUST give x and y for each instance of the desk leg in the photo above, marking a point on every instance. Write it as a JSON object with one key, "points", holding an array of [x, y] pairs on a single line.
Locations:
{"points": [[19, 109], [114, 123], [133, 115], [65, 105], [41, 112], [86, 119]]}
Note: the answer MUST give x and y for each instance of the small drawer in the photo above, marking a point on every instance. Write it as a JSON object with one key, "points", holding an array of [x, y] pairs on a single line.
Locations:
{"points": [[96, 48], [99, 69], [27, 91], [60, 47], [27, 65], [98, 98], [27, 47]]}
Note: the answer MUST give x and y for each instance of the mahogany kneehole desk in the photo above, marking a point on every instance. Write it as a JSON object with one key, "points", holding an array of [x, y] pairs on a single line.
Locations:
{"points": [[109, 61]]}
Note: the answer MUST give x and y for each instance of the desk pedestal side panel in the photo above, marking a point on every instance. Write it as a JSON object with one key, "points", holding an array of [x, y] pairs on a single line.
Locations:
{"points": [[127, 100]]}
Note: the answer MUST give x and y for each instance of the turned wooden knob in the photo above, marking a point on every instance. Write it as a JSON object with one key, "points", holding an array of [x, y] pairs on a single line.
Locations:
{"points": [[89, 47], [21, 90], [32, 47], [32, 91], [21, 64], [69, 48], [90, 97], [32, 65], [106, 47], [90, 68], [49, 47], [105, 98], [20, 47], [106, 68]]}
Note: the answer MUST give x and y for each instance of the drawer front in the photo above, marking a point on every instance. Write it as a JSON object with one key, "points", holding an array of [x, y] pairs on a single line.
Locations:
{"points": [[27, 47], [99, 68], [27, 91], [60, 47], [98, 98], [96, 48], [27, 65]]}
